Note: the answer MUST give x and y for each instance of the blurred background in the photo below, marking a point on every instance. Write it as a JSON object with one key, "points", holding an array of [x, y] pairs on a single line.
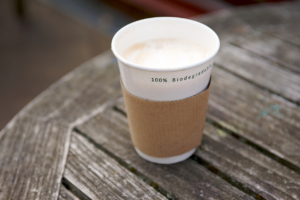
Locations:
{"points": [[42, 40]]}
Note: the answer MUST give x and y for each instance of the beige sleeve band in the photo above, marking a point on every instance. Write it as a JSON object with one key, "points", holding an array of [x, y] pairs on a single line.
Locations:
{"points": [[166, 128]]}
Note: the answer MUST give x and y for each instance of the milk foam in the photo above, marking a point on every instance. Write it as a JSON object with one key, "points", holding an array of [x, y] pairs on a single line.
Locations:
{"points": [[165, 53]]}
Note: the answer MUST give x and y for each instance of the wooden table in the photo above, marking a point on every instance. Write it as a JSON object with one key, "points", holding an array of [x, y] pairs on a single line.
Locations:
{"points": [[72, 141]]}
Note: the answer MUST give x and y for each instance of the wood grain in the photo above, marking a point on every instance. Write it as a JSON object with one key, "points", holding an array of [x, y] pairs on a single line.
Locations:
{"points": [[33, 156], [185, 180], [101, 177]]}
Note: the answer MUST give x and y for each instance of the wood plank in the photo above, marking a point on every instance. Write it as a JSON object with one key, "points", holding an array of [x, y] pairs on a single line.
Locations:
{"points": [[185, 180], [271, 48], [33, 156], [101, 177], [263, 175], [65, 194], [82, 93], [260, 71]]}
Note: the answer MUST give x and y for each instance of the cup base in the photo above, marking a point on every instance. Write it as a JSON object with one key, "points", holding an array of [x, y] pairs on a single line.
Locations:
{"points": [[168, 160]]}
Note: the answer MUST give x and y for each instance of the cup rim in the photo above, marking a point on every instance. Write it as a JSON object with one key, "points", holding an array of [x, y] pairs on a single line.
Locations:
{"points": [[120, 58]]}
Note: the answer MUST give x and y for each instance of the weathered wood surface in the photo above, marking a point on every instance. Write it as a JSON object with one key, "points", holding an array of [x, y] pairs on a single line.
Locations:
{"points": [[65, 194], [99, 176], [34, 145], [185, 180], [32, 159]]}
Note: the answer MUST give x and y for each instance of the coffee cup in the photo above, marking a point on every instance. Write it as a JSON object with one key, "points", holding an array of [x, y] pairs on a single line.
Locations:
{"points": [[155, 81]]}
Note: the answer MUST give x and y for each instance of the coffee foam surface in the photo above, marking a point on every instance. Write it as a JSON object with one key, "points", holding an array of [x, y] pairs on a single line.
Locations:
{"points": [[165, 53]]}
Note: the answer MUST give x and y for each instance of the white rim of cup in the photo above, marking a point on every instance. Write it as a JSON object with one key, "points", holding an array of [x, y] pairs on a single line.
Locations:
{"points": [[159, 69]]}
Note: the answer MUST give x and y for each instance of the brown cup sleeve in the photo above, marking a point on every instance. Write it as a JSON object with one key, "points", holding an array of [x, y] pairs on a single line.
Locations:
{"points": [[166, 128]]}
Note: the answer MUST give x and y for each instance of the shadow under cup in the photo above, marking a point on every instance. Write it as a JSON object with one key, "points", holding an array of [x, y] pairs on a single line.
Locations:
{"points": [[165, 84]]}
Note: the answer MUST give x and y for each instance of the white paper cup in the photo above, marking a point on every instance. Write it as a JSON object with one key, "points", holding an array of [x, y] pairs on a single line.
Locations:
{"points": [[165, 84]]}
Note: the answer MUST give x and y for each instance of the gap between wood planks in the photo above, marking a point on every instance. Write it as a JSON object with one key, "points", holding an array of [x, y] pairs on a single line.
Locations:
{"points": [[78, 193], [226, 177]]}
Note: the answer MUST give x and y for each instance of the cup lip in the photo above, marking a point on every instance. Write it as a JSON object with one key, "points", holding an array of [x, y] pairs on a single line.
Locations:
{"points": [[120, 58]]}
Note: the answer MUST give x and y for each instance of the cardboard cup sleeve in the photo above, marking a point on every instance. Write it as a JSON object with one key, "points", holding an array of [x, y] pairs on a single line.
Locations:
{"points": [[166, 128]]}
